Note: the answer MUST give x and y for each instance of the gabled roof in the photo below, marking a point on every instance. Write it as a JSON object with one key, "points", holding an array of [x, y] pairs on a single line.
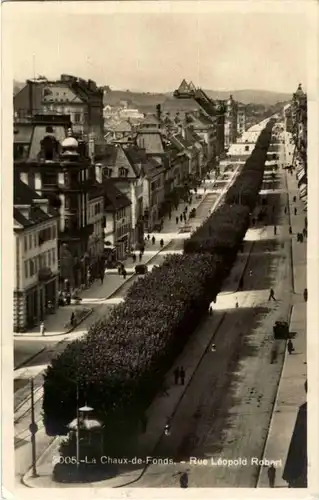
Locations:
{"points": [[184, 87], [114, 199]]}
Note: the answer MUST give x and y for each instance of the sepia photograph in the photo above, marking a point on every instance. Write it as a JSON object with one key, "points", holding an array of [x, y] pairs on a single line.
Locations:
{"points": [[159, 177]]}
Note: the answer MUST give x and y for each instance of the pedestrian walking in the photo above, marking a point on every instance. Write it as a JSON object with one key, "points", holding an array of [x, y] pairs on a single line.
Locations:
{"points": [[134, 258], [304, 232], [72, 318], [271, 476], [294, 199], [119, 269], [186, 208], [285, 210], [182, 375], [162, 243], [236, 304], [148, 236], [140, 256], [271, 295], [305, 294], [124, 273], [177, 220], [290, 346], [241, 283], [176, 375], [210, 310], [42, 328], [298, 237], [181, 217], [290, 230], [183, 480], [295, 211], [275, 230], [153, 240]]}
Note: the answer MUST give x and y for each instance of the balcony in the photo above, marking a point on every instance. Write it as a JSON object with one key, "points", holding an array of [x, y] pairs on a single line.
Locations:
{"points": [[77, 234]]}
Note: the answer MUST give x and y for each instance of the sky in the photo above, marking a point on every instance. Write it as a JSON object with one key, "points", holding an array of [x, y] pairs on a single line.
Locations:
{"points": [[152, 50]]}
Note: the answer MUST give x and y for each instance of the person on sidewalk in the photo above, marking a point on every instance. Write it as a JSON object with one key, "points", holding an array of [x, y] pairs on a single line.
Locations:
{"points": [[148, 237], [241, 283], [177, 220], [119, 269], [304, 232], [181, 217], [294, 199], [275, 230], [140, 256], [72, 319], [153, 240], [285, 210], [162, 243], [271, 476], [182, 375], [271, 295], [124, 273], [183, 480], [305, 294], [176, 375], [102, 277], [42, 328], [210, 310], [290, 230], [295, 211], [290, 347], [236, 303]]}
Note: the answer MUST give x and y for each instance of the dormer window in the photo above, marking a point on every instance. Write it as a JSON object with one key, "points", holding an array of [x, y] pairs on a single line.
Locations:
{"points": [[49, 148], [123, 172]]}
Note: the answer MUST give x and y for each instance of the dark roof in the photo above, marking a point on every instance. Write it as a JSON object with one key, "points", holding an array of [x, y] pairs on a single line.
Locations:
{"points": [[113, 197], [23, 194], [36, 216], [135, 156]]}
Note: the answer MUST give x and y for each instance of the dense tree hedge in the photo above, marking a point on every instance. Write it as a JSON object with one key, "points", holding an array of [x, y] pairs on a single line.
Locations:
{"points": [[120, 364]]}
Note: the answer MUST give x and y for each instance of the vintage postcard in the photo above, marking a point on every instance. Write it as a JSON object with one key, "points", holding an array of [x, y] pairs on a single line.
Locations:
{"points": [[159, 249]]}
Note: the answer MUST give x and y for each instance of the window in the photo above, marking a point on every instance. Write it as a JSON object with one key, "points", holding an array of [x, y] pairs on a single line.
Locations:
{"points": [[25, 243], [123, 172], [35, 239], [97, 208], [26, 269], [49, 258], [54, 235], [30, 241], [77, 117], [53, 256], [32, 267]]}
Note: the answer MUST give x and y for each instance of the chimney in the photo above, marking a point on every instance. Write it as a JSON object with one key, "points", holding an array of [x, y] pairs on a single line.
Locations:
{"points": [[91, 148], [158, 111], [30, 87]]}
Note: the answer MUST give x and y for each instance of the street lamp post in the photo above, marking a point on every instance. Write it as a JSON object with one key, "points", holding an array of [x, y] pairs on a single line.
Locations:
{"points": [[33, 429]]}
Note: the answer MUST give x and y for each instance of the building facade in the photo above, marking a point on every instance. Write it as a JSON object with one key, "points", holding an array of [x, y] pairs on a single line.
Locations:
{"points": [[118, 220], [58, 168], [231, 120], [80, 99], [35, 257], [241, 119]]}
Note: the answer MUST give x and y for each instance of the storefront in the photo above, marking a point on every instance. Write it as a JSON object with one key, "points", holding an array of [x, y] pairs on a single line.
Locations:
{"points": [[122, 246]]}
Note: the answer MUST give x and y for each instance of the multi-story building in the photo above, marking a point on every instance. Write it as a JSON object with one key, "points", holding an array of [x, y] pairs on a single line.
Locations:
{"points": [[35, 256], [241, 119], [231, 122], [58, 168], [299, 136], [118, 219], [80, 99]]}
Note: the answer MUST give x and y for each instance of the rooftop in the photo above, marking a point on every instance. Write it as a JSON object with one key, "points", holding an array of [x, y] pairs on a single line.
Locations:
{"points": [[114, 198]]}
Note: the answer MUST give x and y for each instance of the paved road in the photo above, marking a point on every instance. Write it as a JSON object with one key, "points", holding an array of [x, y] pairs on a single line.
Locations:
{"points": [[33, 367], [226, 410]]}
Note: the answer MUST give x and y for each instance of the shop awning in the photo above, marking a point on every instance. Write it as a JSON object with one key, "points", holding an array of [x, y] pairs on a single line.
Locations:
{"points": [[303, 191]]}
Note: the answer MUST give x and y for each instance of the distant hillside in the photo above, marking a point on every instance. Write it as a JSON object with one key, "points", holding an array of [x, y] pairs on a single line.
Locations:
{"points": [[146, 101], [251, 96]]}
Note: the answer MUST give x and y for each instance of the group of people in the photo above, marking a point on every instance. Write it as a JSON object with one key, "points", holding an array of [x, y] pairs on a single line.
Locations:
{"points": [[179, 375], [183, 216]]}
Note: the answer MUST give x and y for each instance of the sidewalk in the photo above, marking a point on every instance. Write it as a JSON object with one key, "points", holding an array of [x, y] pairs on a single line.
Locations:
{"points": [[55, 323], [164, 404], [291, 392]]}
